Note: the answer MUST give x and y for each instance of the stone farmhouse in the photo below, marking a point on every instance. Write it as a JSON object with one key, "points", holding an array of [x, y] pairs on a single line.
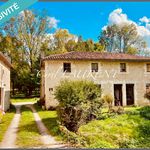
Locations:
{"points": [[5, 66], [126, 77]]}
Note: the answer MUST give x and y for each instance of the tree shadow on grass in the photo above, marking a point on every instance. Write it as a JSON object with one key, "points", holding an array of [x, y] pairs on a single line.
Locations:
{"points": [[31, 127], [52, 125], [51, 122]]}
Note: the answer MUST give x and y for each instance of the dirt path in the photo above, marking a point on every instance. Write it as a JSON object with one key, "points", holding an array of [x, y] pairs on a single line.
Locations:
{"points": [[11, 133], [48, 140]]}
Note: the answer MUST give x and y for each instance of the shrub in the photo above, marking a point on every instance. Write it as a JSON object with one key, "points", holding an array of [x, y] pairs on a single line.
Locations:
{"points": [[108, 98], [79, 102], [145, 112], [147, 95], [76, 140], [117, 110]]}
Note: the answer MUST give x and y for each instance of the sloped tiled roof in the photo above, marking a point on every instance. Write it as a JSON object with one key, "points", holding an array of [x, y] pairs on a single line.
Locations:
{"points": [[5, 60], [96, 56]]}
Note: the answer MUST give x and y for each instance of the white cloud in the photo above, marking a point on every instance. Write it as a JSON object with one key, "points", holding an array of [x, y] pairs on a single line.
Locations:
{"points": [[145, 19], [118, 17], [104, 27], [148, 26], [53, 22], [143, 31]]}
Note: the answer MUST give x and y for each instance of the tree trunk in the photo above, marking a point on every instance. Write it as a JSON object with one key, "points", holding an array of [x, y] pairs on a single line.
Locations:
{"points": [[30, 91]]}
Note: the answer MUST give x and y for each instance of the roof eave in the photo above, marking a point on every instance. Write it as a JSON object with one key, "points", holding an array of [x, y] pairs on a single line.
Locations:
{"points": [[129, 60]]}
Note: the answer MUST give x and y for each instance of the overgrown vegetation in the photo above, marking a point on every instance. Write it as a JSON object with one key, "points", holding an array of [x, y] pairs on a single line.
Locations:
{"points": [[61, 133], [108, 99], [79, 102], [129, 130]]}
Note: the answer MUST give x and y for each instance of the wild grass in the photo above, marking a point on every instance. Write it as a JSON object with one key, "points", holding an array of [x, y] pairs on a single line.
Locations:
{"points": [[129, 130]]}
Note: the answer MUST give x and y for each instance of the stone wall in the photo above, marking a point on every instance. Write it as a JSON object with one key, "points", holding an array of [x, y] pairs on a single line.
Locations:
{"points": [[108, 75], [5, 85]]}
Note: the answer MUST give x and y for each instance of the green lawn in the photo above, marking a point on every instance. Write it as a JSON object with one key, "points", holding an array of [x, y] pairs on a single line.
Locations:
{"points": [[7, 118], [131, 130], [16, 100], [49, 119], [28, 135]]}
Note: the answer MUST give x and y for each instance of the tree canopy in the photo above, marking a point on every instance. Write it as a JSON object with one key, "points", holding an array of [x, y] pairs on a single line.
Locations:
{"points": [[23, 39], [122, 38]]}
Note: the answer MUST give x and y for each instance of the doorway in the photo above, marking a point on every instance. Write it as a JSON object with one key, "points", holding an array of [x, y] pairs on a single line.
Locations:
{"points": [[118, 94], [130, 94]]}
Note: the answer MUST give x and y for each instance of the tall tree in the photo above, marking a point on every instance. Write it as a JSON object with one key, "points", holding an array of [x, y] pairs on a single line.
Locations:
{"points": [[61, 38], [122, 38], [108, 37], [29, 28]]}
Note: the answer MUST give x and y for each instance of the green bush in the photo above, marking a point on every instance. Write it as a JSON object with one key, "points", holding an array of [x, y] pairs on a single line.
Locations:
{"points": [[147, 95], [76, 140], [145, 112], [108, 98], [79, 102]]}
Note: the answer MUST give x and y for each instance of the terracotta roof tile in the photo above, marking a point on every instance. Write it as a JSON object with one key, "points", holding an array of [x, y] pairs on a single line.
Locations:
{"points": [[96, 56], [5, 60]]}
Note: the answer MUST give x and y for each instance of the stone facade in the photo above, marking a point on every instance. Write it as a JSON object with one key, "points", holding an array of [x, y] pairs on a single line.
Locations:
{"points": [[4, 82], [130, 84]]}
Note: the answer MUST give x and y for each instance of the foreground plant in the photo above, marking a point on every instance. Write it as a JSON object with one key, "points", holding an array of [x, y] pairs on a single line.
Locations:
{"points": [[79, 102]]}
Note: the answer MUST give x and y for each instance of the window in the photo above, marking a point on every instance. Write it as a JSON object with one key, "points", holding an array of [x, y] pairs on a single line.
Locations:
{"points": [[122, 67], [51, 89], [148, 67], [94, 67], [147, 87], [67, 67]]}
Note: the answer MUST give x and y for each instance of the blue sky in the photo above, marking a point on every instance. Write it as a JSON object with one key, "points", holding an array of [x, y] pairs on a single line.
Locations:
{"points": [[88, 18]]}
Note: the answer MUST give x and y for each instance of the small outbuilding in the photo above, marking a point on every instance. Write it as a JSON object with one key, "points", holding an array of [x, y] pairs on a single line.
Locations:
{"points": [[5, 66]]}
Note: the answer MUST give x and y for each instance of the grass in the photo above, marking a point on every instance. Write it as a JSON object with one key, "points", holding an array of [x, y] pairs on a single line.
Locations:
{"points": [[131, 130], [49, 119], [18, 100], [28, 135], [6, 120]]}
